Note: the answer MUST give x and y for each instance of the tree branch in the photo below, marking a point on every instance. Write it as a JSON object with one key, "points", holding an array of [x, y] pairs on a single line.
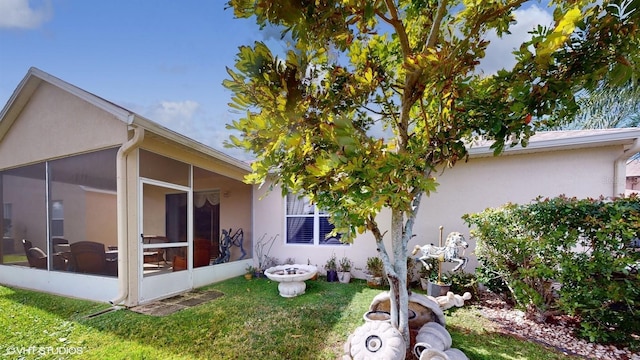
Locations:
{"points": [[381, 113], [490, 16], [398, 25], [435, 25], [383, 17]]}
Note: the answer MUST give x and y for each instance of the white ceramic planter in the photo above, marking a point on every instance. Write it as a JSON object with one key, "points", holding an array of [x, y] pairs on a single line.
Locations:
{"points": [[344, 277], [433, 342], [377, 340], [377, 316], [450, 354], [435, 335]]}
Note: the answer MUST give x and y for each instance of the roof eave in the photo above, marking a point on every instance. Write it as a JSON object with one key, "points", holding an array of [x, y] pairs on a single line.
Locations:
{"points": [[34, 77], [178, 138], [625, 137]]}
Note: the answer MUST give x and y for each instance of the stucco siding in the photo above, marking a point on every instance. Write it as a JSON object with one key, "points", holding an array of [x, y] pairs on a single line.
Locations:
{"points": [[54, 124], [493, 181], [102, 227], [468, 187]]}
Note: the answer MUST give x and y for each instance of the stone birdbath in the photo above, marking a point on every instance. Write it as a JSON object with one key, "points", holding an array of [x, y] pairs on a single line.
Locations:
{"points": [[291, 278]]}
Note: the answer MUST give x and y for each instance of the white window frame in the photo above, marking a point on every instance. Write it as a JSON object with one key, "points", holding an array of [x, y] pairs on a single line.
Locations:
{"points": [[316, 216], [57, 218]]}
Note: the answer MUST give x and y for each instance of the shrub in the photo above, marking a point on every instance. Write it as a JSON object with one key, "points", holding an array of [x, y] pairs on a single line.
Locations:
{"points": [[375, 266], [492, 281], [506, 248], [583, 245], [332, 263], [462, 282], [344, 265]]}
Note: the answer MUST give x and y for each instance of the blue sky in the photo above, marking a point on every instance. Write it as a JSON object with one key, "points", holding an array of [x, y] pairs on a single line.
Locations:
{"points": [[163, 59]]}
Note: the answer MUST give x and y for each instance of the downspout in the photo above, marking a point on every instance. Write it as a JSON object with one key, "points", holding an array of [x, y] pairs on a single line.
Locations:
{"points": [[122, 212], [620, 167]]}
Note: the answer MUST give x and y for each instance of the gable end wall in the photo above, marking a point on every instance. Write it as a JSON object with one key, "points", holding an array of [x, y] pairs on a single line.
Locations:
{"points": [[55, 124]]}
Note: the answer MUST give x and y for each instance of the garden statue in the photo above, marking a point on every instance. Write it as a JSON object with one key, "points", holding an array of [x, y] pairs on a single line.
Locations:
{"points": [[226, 242], [377, 339], [450, 252], [450, 300]]}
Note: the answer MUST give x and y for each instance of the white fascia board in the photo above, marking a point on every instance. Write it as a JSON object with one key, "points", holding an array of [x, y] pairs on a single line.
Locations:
{"points": [[592, 139], [188, 142]]}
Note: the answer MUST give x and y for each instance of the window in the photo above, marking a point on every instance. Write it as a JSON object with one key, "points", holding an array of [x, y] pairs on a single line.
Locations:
{"points": [[306, 224], [57, 218], [7, 220]]}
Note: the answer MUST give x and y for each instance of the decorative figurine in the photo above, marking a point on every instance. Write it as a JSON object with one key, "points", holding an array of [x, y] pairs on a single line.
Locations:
{"points": [[450, 252]]}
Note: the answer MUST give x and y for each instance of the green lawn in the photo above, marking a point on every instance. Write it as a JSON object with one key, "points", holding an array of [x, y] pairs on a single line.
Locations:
{"points": [[251, 321], [14, 258]]}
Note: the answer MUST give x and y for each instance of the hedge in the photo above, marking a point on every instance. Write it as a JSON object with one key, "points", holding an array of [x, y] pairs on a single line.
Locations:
{"points": [[586, 246]]}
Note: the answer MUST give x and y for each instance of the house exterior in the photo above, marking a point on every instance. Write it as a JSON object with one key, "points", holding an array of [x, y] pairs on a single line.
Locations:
{"points": [[163, 214], [77, 170], [633, 176], [584, 163]]}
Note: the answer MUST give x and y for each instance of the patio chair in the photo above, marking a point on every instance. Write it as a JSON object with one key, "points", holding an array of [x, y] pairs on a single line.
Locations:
{"points": [[154, 255], [38, 258], [60, 245], [89, 257], [179, 263], [201, 252], [201, 255], [35, 256]]}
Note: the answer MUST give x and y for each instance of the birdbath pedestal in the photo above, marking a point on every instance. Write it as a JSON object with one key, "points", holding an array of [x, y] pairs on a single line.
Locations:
{"points": [[291, 278]]}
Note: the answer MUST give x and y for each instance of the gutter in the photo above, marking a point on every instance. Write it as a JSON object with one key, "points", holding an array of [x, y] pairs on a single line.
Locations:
{"points": [[620, 168], [122, 213]]}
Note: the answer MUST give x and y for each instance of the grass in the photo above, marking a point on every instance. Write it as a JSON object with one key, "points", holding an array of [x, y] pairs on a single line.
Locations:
{"points": [[14, 258], [251, 321]]}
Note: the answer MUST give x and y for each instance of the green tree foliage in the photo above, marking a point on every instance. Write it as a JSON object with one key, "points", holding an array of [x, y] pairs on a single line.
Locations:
{"points": [[587, 246], [313, 114], [607, 107]]}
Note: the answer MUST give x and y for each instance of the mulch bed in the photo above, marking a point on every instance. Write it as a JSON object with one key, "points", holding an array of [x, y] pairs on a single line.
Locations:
{"points": [[556, 333]]}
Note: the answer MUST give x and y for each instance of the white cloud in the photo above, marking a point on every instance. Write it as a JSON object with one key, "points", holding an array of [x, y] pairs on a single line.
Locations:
{"points": [[499, 53], [19, 14], [191, 119], [174, 113]]}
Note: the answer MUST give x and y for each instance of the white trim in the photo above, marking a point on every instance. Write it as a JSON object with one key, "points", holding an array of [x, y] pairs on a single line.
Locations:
{"points": [[189, 143], [161, 183], [574, 139], [166, 284], [94, 190], [190, 247], [72, 284]]}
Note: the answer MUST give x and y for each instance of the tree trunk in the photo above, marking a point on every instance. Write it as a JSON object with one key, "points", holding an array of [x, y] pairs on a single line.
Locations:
{"points": [[397, 275], [401, 233]]}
